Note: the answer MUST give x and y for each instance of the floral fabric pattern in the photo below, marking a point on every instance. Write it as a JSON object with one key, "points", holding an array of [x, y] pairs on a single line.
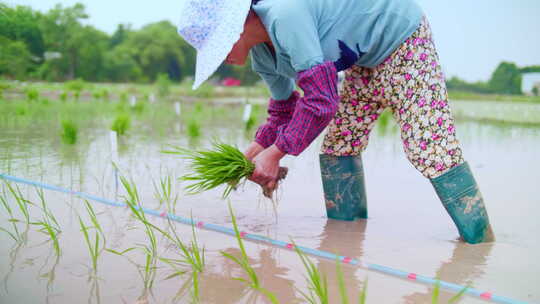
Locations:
{"points": [[411, 83]]}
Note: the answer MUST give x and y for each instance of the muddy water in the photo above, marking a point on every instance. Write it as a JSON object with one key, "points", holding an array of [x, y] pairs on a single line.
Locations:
{"points": [[407, 228]]}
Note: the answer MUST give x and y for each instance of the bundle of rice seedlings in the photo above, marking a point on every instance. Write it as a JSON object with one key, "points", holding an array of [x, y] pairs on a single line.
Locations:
{"points": [[193, 128], [121, 124], [69, 131], [223, 165]]}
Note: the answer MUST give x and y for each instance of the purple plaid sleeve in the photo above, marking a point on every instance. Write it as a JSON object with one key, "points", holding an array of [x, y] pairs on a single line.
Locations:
{"points": [[280, 112], [313, 112]]}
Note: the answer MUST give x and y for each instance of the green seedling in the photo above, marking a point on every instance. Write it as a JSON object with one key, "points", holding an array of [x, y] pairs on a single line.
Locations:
{"points": [[16, 235], [21, 109], [194, 128], [151, 250], [250, 123], [343, 289], [32, 94], [95, 248], [139, 107], [63, 96], [224, 165], [192, 255], [51, 231], [164, 193], [317, 283], [133, 202], [437, 291], [199, 108], [341, 283], [121, 124], [21, 202], [459, 295], [149, 273], [76, 85], [252, 280], [46, 210], [49, 224], [69, 131], [93, 218], [363, 293]]}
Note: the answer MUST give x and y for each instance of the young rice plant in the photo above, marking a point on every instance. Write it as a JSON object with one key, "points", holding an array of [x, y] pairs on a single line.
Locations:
{"points": [[252, 281], [121, 124], [69, 131], [224, 165]]}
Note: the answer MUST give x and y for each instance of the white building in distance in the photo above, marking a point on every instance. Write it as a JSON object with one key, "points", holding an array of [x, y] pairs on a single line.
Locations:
{"points": [[530, 80]]}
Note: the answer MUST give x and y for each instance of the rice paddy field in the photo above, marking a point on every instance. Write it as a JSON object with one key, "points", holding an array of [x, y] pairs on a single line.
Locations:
{"points": [[59, 248]]}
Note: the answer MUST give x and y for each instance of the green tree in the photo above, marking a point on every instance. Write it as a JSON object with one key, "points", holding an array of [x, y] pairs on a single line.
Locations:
{"points": [[530, 69], [458, 84], [120, 65], [506, 79], [22, 24], [62, 30], [81, 49], [157, 48], [15, 58], [119, 35], [89, 64]]}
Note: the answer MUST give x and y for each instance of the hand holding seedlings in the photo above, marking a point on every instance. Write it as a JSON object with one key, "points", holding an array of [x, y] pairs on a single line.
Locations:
{"points": [[253, 149], [251, 152], [267, 170], [224, 165], [268, 190]]}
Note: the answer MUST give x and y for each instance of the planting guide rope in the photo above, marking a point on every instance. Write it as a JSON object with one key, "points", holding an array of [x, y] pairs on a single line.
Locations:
{"points": [[253, 237]]}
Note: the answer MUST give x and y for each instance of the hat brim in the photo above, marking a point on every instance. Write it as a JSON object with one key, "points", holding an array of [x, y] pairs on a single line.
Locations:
{"points": [[212, 54]]}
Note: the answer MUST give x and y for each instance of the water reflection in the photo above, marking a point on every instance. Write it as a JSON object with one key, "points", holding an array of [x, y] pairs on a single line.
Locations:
{"points": [[20, 243], [94, 296], [221, 287], [34, 153], [273, 276], [50, 274], [346, 239], [466, 264]]}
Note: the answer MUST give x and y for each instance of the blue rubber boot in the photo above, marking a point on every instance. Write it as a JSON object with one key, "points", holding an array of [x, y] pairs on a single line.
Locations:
{"points": [[343, 185], [461, 197]]}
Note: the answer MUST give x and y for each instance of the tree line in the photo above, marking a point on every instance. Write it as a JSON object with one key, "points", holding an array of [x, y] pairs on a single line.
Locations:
{"points": [[506, 79], [57, 46]]}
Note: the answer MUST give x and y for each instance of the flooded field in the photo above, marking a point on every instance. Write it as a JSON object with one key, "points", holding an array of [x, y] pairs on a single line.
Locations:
{"points": [[407, 229]]}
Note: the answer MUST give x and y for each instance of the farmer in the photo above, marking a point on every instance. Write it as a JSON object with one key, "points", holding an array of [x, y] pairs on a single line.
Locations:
{"points": [[386, 50]]}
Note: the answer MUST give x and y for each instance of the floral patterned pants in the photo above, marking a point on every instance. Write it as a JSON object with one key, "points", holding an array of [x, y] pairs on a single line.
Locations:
{"points": [[411, 83]]}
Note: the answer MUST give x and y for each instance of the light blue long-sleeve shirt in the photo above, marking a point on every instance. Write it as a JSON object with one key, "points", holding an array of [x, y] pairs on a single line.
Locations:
{"points": [[305, 33]]}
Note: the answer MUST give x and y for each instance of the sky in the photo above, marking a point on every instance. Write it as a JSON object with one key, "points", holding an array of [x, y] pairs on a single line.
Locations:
{"points": [[472, 36]]}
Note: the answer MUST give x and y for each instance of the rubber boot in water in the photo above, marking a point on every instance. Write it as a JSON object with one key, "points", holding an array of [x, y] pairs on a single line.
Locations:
{"points": [[459, 194], [343, 185]]}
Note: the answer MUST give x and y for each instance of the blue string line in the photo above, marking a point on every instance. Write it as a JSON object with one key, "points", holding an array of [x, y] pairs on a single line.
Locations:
{"points": [[258, 238]]}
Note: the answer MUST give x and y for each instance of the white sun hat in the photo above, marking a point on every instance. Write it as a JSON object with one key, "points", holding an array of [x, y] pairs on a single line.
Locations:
{"points": [[212, 27]]}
